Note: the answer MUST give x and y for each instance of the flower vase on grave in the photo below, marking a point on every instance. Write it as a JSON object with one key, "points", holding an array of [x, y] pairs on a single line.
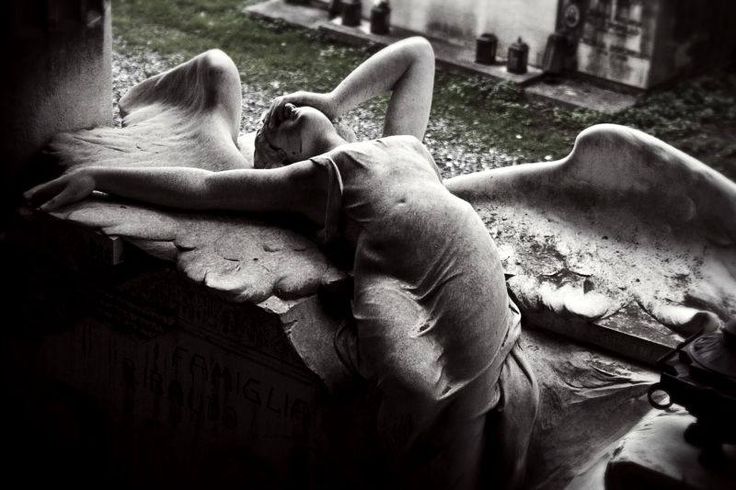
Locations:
{"points": [[334, 9], [518, 57], [485, 49], [381, 17], [351, 13]]}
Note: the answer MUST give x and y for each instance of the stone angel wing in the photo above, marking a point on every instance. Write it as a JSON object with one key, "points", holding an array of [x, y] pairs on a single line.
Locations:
{"points": [[189, 116], [625, 238]]}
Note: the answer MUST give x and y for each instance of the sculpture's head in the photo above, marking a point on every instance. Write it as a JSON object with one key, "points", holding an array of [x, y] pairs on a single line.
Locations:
{"points": [[305, 132]]}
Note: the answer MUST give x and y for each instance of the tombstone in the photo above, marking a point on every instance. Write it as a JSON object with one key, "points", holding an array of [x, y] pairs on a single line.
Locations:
{"points": [[645, 43]]}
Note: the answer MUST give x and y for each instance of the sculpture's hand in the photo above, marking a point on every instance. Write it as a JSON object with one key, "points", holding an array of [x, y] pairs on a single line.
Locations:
{"points": [[279, 110], [64, 190]]}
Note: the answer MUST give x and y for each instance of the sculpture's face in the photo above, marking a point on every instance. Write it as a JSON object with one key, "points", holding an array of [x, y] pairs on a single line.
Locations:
{"points": [[297, 138]]}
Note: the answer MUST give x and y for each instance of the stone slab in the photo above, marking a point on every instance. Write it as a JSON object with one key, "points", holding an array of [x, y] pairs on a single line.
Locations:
{"points": [[631, 334], [447, 55], [300, 15], [588, 400], [655, 455], [575, 93]]}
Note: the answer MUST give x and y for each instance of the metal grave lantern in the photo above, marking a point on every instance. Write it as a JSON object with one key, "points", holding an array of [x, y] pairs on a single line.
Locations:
{"points": [[381, 17], [351, 13], [556, 54], [518, 57], [334, 9], [485, 49]]}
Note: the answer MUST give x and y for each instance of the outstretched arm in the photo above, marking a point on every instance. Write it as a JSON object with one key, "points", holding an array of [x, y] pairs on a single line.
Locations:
{"points": [[294, 188], [405, 69]]}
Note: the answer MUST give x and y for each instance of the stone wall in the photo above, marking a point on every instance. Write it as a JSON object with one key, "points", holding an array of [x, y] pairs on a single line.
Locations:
{"points": [[58, 61]]}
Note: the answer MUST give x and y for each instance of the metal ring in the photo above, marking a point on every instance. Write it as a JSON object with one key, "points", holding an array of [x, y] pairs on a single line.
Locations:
{"points": [[650, 392]]}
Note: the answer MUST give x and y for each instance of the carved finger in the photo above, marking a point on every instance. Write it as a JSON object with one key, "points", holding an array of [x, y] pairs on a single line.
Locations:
{"points": [[281, 114], [38, 192], [264, 117], [64, 197], [273, 112], [290, 110]]}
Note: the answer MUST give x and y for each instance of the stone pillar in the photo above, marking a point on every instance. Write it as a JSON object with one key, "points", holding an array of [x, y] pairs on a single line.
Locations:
{"points": [[57, 77]]}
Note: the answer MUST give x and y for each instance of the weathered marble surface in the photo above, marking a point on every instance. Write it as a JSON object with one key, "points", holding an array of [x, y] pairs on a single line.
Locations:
{"points": [[588, 401], [189, 117], [246, 260], [627, 243], [655, 455]]}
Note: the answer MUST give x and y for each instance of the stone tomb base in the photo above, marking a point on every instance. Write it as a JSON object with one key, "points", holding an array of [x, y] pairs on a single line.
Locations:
{"points": [[191, 390]]}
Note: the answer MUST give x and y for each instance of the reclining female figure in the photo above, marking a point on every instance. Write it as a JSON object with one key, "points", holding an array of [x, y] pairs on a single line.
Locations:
{"points": [[435, 331]]}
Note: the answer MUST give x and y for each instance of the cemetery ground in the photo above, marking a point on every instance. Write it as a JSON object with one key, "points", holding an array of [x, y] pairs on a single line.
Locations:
{"points": [[476, 123]]}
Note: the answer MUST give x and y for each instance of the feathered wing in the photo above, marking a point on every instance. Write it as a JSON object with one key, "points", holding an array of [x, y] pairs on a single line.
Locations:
{"points": [[626, 233], [176, 119]]}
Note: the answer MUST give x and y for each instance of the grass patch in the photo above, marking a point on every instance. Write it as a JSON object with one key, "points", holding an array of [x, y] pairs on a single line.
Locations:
{"points": [[264, 52], [697, 116]]}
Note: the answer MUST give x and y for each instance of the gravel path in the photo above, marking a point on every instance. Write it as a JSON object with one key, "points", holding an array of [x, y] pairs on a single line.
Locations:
{"points": [[451, 142]]}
